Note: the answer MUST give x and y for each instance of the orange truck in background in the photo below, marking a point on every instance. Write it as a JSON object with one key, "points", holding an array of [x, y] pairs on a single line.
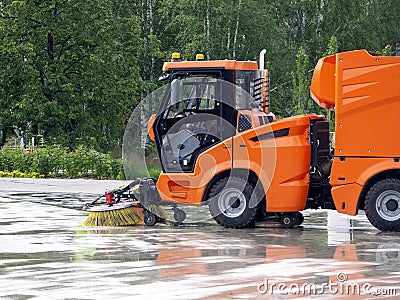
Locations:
{"points": [[363, 88], [220, 146]]}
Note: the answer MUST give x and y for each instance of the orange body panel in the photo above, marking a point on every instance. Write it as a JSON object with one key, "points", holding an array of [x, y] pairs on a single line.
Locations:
{"points": [[345, 198], [150, 125], [367, 105], [282, 164], [364, 89], [322, 88], [286, 186], [349, 175], [189, 187], [224, 64], [290, 183]]}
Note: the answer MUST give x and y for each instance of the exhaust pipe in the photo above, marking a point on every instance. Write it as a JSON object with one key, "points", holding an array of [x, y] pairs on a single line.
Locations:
{"points": [[261, 64]]}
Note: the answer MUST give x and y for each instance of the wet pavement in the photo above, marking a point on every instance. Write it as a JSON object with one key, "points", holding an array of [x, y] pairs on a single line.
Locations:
{"points": [[45, 253]]}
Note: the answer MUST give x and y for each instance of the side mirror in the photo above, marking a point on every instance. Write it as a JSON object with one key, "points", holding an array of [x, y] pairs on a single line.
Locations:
{"points": [[164, 76]]}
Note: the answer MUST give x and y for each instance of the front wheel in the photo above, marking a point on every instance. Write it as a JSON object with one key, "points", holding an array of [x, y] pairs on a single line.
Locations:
{"points": [[179, 215], [150, 219], [230, 205], [382, 204]]}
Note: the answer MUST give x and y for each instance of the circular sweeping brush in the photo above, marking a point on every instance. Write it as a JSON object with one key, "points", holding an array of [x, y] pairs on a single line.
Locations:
{"points": [[114, 213], [119, 214]]}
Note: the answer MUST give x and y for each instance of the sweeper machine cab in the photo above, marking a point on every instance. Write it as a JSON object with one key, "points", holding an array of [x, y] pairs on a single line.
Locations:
{"points": [[220, 146]]}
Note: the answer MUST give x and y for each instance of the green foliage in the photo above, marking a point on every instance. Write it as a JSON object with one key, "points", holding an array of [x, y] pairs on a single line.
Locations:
{"points": [[69, 70], [301, 83], [74, 70], [60, 162], [387, 51], [333, 46], [154, 172]]}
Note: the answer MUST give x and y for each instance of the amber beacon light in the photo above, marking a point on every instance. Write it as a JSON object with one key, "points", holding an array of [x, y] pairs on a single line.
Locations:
{"points": [[199, 56], [176, 56]]}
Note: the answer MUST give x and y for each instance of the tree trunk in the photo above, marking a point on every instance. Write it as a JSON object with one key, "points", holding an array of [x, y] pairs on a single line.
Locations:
{"points": [[2, 138], [320, 18], [236, 30], [150, 19], [228, 42], [50, 46], [207, 29]]}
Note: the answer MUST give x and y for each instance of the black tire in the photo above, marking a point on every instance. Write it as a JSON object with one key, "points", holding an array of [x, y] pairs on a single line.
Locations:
{"points": [[150, 219], [300, 218], [382, 204], [179, 215], [289, 220], [229, 200]]}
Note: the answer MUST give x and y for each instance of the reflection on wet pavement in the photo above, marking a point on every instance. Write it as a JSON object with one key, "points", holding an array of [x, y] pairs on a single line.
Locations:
{"points": [[47, 254]]}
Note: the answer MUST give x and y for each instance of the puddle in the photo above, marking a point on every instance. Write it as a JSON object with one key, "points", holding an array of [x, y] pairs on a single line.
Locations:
{"points": [[46, 253]]}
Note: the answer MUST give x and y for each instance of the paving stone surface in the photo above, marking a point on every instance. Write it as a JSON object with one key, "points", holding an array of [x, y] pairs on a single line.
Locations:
{"points": [[45, 253]]}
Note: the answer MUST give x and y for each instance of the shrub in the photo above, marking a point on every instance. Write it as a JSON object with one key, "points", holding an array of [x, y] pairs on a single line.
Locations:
{"points": [[59, 162], [21, 174], [154, 172]]}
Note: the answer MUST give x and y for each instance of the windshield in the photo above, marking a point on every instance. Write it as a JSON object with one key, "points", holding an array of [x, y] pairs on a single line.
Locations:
{"points": [[191, 94]]}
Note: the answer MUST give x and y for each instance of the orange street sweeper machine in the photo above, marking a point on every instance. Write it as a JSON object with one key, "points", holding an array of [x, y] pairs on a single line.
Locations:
{"points": [[220, 146]]}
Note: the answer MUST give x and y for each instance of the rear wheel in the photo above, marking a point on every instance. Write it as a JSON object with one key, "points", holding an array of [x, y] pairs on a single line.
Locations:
{"points": [[229, 201], [289, 220], [382, 204], [300, 218]]}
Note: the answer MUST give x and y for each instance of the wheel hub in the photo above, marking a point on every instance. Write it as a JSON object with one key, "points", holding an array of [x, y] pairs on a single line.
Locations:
{"points": [[232, 202], [392, 205], [388, 205]]}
